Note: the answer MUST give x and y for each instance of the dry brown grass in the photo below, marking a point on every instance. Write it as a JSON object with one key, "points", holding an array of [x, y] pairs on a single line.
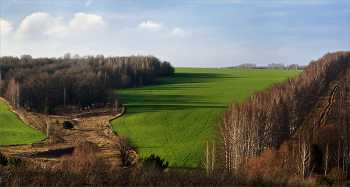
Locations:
{"points": [[89, 126]]}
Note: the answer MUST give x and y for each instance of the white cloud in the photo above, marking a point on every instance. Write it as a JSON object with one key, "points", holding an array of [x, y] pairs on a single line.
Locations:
{"points": [[88, 3], [150, 25], [85, 22], [43, 24], [5, 27], [177, 31], [39, 23]]}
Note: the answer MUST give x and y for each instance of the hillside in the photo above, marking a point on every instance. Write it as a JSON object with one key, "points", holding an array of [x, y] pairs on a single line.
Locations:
{"points": [[173, 118]]}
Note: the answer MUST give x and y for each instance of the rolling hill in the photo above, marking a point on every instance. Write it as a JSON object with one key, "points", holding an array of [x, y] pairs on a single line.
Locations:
{"points": [[174, 117]]}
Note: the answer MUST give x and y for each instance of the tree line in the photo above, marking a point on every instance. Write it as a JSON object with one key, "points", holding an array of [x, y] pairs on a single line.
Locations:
{"points": [[85, 82], [269, 66], [267, 118]]}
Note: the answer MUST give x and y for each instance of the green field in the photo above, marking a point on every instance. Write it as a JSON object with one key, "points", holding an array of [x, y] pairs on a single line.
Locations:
{"points": [[13, 131], [174, 117]]}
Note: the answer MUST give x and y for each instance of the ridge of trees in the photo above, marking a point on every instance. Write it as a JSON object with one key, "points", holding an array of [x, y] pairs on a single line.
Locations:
{"points": [[267, 118], [81, 81]]}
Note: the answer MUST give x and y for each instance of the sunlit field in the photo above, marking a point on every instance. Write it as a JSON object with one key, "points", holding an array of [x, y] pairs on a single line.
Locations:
{"points": [[174, 117], [13, 131]]}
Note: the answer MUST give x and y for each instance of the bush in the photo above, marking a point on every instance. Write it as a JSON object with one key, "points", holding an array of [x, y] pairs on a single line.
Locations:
{"points": [[47, 111], [323, 180], [67, 125], [154, 161], [318, 105], [16, 162]]}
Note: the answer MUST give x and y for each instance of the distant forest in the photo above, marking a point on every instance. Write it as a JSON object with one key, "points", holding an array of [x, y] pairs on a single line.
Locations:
{"points": [[85, 82], [269, 66]]}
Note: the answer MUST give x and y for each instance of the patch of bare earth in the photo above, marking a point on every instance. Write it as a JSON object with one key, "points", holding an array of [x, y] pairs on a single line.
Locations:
{"points": [[89, 126]]}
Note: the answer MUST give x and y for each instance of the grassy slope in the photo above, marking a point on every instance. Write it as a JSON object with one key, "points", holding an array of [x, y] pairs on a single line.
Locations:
{"points": [[173, 118], [14, 131]]}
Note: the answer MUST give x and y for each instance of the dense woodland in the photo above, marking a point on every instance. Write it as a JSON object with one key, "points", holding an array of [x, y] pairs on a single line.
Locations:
{"points": [[268, 118], [85, 82]]}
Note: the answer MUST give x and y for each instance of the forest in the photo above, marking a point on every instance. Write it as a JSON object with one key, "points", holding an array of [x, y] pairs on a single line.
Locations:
{"points": [[84, 82]]}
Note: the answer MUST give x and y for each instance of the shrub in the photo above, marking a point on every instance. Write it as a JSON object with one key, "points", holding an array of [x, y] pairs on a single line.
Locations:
{"points": [[323, 180], [318, 105], [16, 162], [154, 161], [47, 111], [67, 125]]}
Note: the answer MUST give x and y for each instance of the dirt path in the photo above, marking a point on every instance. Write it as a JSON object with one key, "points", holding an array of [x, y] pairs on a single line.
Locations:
{"points": [[318, 115], [89, 126], [327, 109]]}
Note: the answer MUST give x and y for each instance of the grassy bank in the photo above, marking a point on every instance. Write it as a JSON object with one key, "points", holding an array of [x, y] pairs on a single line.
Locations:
{"points": [[13, 131]]}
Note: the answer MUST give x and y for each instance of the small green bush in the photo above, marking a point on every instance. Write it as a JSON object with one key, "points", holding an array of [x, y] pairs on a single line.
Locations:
{"points": [[318, 105], [16, 162], [47, 111], [67, 125], [154, 161], [323, 180]]}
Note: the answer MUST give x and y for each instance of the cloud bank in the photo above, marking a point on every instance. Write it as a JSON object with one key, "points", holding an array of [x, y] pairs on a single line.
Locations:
{"points": [[43, 24]]}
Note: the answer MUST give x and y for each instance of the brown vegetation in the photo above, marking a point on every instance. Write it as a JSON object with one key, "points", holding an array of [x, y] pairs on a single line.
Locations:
{"points": [[84, 82], [266, 119], [92, 126], [88, 166]]}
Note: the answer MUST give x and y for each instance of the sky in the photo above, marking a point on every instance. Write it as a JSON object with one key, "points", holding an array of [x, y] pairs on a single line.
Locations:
{"points": [[184, 33]]}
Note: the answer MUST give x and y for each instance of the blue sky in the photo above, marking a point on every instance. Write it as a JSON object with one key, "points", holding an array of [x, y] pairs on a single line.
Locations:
{"points": [[185, 33]]}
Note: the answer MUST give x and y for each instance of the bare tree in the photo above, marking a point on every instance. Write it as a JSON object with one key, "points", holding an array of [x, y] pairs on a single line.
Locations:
{"points": [[209, 156], [213, 155], [12, 93], [47, 112], [64, 98], [67, 56], [326, 160], [304, 159]]}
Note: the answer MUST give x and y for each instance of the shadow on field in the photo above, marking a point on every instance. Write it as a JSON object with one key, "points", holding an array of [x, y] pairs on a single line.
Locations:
{"points": [[56, 153], [155, 108], [181, 78], [144, 99]]}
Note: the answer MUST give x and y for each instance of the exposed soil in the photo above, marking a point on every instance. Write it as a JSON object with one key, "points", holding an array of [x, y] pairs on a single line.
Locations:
{"points": [[92, 126]]}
